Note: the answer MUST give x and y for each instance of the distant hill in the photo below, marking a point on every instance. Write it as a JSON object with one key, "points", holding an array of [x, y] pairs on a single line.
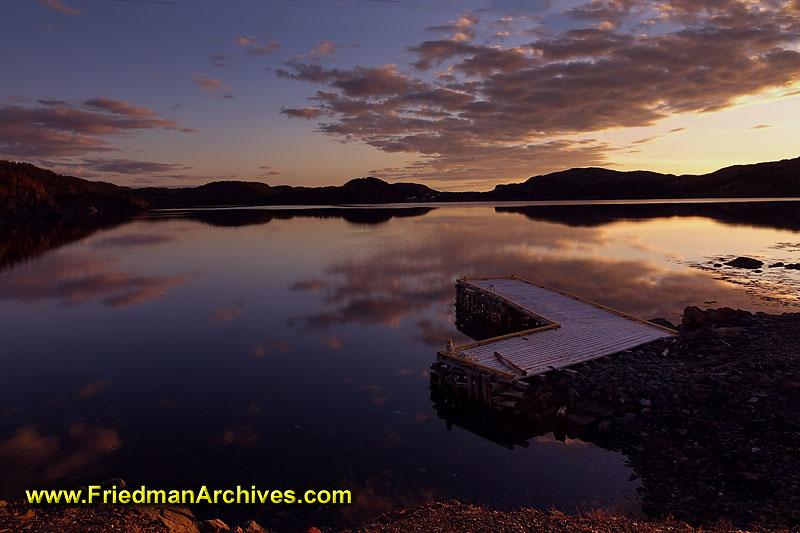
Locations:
{"points": [[761, 180], [29, 192]]}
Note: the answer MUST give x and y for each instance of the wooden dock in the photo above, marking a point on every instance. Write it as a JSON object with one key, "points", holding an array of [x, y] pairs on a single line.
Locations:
{"points": [[561, 331]]}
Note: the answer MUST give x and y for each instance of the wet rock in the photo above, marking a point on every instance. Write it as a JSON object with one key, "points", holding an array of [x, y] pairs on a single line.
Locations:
{"points": [[745, 262]]}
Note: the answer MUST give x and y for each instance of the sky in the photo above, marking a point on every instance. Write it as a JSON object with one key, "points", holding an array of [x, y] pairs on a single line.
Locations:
{"points": [[456, 94]]}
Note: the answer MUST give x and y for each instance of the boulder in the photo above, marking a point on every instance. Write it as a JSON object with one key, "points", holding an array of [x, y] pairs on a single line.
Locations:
{"points": [[745, 262], [693, 318]]}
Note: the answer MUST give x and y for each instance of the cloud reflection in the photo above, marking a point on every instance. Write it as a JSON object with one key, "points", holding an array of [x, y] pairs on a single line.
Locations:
{"points": [[73, 279], [402, 283]]}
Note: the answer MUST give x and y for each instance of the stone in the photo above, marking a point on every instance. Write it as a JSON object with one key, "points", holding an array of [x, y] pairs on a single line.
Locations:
{"points": [[793, 266], [581, 420], [693, 317], [177, 519], [214, 526], [252, 526], [745, 262], [776, 265]]}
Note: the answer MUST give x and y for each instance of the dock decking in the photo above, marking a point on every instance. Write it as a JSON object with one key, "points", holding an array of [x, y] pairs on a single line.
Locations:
{"points": [[570, 330]]}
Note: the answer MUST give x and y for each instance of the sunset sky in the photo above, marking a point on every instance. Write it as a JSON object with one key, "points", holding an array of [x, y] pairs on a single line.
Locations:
{"points": [[460, 94]]}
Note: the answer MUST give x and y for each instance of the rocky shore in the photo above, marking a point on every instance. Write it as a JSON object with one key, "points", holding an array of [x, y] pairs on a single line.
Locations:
{"points": [[709, 421]]}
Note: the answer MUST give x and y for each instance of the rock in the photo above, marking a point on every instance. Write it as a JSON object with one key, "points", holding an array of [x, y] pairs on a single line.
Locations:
{"points": [[253, 527], [581, 420], [725, 315], [717, 265], [793, 266], [776, 265], [214, 526], [693, 318], [176, 519], [663, 322], [745, 262]]}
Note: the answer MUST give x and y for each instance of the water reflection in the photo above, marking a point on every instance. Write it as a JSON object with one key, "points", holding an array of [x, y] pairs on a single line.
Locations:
{"points": [[778, 215], [291, 348]]}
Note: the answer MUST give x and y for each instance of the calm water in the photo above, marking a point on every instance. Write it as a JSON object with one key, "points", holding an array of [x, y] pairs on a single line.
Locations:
{"points": [[290, 348]]}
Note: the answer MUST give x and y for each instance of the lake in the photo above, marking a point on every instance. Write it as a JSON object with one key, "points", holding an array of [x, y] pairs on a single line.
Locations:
{"points": [[289, 348]]}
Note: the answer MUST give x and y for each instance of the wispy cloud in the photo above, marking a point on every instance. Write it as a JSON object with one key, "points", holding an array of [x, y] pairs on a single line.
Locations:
{"points": [[59, 128], [209, 84], [131, 166], [255, 47], [269, 171], [55, 5]]}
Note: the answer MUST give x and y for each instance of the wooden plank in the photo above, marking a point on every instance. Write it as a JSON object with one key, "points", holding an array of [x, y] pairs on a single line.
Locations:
{"points": [[587, 330], [533, 314], [467, 362]]}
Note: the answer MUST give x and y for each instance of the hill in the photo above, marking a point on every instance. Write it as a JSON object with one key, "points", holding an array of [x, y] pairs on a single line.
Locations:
{"points": [[761, 180], [29, 192]]}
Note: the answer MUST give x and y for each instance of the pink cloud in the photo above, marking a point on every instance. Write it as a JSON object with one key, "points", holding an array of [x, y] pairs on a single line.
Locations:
{"points": [[55, 5], [216, 86]]}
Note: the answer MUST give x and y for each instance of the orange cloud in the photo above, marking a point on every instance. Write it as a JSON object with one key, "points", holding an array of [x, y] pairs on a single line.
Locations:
{"points": [[55, 5]]}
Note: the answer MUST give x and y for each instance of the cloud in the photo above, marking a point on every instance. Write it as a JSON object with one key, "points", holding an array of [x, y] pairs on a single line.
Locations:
{"points": [[762, 127], [212, 85], [256, 48], [461, 29], [130, 166], [513, 111], [308, 113], [269, 171], [117, 107], [219, 61], [324, 48], [55, 5], [58, 128]]}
